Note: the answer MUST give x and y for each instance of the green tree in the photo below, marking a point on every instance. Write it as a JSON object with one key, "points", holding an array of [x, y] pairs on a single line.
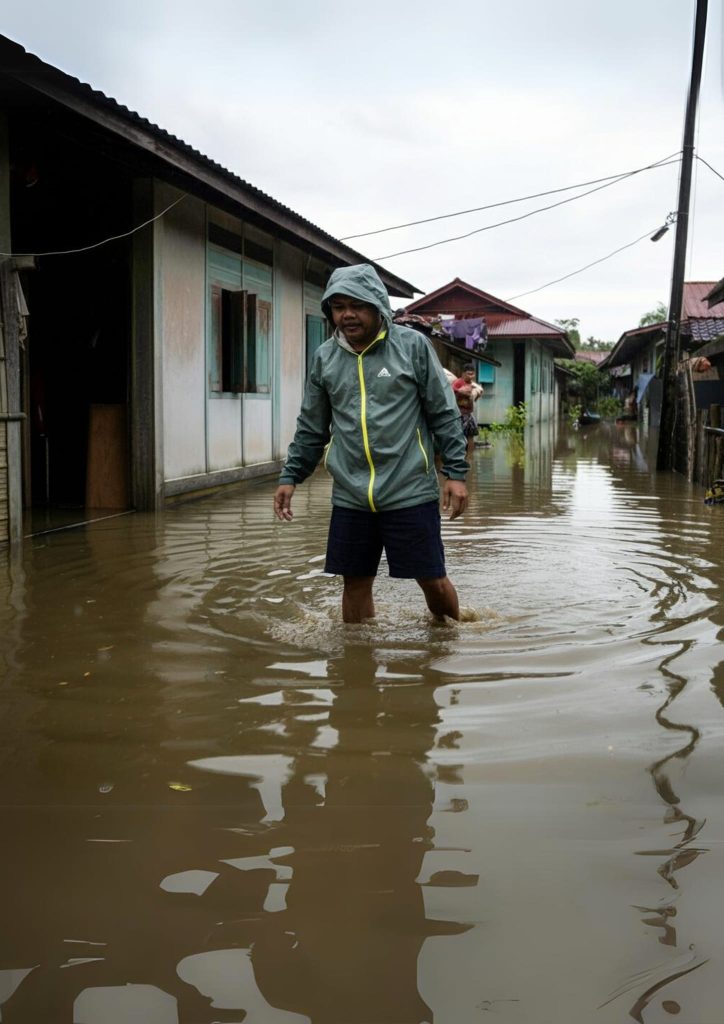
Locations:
{"points": [[657, 315], [570, 326], [596, 345], [590, 383]]}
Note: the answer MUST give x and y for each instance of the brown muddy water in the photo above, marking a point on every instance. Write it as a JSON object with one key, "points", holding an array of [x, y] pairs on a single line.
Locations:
{"points": [[221, 804]]}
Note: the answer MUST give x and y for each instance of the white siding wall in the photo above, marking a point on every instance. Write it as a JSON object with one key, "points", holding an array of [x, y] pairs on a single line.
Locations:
{"points": [[257, 430], [181, 273], [289, 274], [224, 419], [206, 433]]}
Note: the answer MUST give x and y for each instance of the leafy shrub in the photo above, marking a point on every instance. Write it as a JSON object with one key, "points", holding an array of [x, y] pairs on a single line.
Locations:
{"points": [[516, 417], [609, 406]]}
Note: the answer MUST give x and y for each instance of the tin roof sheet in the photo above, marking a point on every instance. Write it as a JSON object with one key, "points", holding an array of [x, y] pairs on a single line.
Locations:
{"points": [[20, 64], [695, 304]]}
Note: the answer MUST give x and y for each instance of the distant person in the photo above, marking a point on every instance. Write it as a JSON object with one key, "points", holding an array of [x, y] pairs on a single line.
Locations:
{"points": [[466, 392], [378, 401], [630, 406]]}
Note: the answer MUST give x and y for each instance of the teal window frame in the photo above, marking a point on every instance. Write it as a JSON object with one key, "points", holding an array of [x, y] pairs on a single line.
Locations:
{"points": [[239, 321], [315, 334]]}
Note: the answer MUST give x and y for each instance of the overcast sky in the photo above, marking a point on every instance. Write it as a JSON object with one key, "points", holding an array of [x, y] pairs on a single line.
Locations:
{"points": [[365, 115]]}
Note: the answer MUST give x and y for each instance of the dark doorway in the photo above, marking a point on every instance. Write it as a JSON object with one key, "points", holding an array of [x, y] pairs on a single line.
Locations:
{"points": [[76, 361], [518, 372]]}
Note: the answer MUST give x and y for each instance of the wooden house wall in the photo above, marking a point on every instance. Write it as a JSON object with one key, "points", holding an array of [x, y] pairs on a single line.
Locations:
{"points": [[4, 503]]}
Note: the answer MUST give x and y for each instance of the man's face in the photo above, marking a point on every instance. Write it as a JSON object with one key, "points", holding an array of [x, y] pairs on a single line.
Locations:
{"points": [[359, 321], [468, 376]]}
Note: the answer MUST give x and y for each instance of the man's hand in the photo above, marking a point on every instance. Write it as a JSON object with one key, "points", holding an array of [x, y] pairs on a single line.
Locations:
{"points": [[454, 497], [283, 502]]}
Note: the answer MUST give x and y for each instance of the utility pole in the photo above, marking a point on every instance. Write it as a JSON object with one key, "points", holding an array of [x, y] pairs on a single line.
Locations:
{"points": [[665, 456]]}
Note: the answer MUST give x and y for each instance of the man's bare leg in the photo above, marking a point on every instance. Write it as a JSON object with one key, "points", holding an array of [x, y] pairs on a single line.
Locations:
{"points": [[441, 597], [357, 603]]}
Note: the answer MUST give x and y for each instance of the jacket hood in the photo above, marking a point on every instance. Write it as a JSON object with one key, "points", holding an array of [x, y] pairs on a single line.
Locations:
{"points": [[360, 282]]}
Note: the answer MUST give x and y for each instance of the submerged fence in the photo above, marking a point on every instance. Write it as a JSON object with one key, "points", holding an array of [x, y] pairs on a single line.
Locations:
{"points": [[699, 442]]}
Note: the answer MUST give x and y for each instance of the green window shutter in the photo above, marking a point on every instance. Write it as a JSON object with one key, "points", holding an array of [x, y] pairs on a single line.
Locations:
{"points": [[215, 340], [315, 335], [262, 346], [250, 345], [486, 373]]}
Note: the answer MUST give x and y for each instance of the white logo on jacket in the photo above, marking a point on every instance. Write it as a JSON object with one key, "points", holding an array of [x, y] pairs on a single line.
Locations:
{"points": [[384, 372]]}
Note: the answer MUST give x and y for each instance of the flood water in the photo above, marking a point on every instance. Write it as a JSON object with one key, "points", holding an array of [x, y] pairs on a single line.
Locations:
{"points": [[221, 804]]}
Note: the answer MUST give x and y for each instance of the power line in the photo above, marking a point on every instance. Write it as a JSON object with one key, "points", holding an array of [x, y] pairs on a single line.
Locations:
{"points": [[710, 167], [508, 202], [513, 220], [581, 269], [97, 245]]}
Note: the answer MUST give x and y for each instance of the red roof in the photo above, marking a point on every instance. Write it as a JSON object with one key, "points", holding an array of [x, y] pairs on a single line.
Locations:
{"points": [[460, 299], [590, 356], [523, 326], [695, 304]]}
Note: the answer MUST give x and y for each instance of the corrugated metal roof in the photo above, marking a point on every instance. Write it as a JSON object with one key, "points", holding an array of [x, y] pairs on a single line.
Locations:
{"points": [[523, 327], [695, 304], [630, 343], [705, 328], [590, 357], [20, 64]]}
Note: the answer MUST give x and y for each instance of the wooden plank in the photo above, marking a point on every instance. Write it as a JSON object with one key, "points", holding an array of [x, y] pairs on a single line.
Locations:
{"points": [[107, 478]]}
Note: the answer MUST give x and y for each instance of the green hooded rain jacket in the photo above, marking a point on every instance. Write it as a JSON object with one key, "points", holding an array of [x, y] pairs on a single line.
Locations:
{"points": [[373, 416]]}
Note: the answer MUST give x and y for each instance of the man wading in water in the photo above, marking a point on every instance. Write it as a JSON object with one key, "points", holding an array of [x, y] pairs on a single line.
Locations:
{"points": [[375, 399]]}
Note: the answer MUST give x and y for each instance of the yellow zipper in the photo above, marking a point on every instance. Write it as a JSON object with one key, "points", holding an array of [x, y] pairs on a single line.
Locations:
{"points": [[327, 450], [422, 449], [363, 415]]}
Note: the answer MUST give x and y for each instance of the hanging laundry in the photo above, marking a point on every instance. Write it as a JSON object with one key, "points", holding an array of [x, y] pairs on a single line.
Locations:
{"points": [[473, 333]]}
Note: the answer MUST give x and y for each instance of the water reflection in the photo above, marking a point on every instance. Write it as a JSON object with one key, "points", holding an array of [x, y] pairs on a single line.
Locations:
{"points": [[220, 804]]}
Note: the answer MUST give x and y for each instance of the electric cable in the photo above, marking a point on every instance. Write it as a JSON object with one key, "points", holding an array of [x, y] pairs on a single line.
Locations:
{"points": [[581, 269], [508, 202], [96, 245], [709, 166], [511, 220]]}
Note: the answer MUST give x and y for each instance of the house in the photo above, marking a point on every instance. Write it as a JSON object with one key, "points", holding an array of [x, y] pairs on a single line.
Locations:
{"points": [[635, 363], [589, 355], [636, 360], [156, 330], [515, 364]]}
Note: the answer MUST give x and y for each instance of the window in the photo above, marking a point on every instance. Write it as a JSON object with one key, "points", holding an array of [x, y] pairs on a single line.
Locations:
{"points": [[315, 334], [486, 374], [240, 342], [534, 374], [239, 320]]}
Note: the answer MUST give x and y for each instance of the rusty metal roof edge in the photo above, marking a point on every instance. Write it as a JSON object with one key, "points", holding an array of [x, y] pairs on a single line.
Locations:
{"points": [[18, 63]]}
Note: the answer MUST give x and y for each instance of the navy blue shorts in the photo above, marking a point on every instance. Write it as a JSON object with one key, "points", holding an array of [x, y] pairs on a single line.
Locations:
{"points": [[410, 537]]}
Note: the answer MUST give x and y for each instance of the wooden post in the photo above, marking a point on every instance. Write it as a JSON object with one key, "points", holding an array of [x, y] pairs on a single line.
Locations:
{"points": [[665, 455], [12, 414], [146, 460]]}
